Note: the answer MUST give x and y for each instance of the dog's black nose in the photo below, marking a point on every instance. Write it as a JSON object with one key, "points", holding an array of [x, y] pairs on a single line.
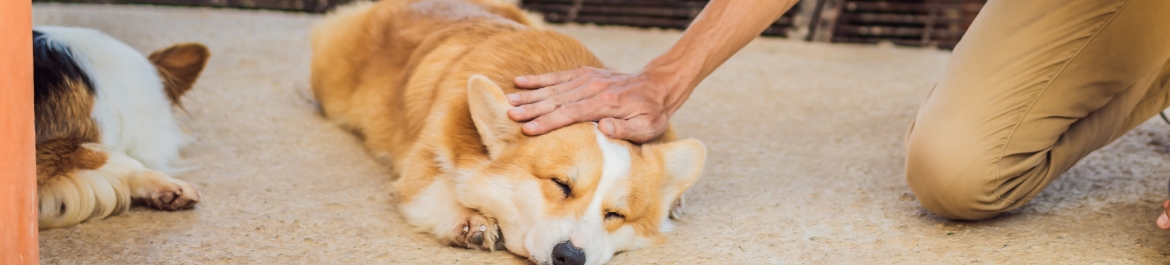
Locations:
{"points": [[566, 253]]}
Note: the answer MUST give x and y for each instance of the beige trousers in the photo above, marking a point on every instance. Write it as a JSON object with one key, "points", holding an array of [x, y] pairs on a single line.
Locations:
{"points": [[1033, 87]]}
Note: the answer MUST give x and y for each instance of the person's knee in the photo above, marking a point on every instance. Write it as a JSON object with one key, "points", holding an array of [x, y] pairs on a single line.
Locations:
{"points": [[952, 176]]}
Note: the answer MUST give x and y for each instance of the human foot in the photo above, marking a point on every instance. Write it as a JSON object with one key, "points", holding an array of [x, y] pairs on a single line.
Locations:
{"points": [[1164, 217]]}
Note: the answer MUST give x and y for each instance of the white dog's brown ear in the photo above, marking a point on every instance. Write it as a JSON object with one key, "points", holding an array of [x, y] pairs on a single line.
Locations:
{"points": [[682, 163], [179, 66], [489, 112]]}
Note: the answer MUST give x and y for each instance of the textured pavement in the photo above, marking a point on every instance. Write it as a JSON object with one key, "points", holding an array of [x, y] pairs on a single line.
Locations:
{"points": [[804, 165]]}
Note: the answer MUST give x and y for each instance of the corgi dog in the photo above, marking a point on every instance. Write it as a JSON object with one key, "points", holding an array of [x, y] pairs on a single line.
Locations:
{"points": [[422, 83], [106, 136]]}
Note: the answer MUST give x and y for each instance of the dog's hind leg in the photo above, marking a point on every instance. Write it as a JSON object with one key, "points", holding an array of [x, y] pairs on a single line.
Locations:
{"points": [[78, 182], [69, 188]]}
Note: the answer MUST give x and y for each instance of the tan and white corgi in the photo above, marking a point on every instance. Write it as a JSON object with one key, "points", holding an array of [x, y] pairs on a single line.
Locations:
{"points": [[423, 84], [106, 136]]}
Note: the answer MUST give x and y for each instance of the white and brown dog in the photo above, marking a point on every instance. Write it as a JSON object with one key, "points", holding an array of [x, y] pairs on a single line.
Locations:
{"points": [[422, 82], [106, 136]]}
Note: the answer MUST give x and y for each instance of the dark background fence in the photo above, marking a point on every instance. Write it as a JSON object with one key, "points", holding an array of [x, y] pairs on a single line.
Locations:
{"points": [[311, 6], [639, 13], [905, 22], [937, 23]]}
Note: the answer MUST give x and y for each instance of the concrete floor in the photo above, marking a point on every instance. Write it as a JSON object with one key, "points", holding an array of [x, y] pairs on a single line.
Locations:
{"points": [[805, 164]]}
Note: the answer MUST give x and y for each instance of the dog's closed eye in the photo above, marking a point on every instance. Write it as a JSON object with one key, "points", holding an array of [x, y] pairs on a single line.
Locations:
{"points": [[564, 187]]}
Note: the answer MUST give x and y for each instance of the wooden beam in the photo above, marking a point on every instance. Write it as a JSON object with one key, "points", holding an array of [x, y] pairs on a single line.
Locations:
{"points": [[18, 183]]}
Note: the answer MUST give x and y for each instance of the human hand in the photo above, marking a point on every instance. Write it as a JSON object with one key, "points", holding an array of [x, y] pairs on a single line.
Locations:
{"points": [[634, 107]]}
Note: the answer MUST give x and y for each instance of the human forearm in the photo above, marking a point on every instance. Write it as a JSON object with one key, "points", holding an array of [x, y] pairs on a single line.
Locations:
{"points": [[637, 107], [721, 29]]}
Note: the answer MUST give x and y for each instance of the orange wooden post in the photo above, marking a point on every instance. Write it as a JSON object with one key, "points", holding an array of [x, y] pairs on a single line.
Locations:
{"points": [[18, 184]]}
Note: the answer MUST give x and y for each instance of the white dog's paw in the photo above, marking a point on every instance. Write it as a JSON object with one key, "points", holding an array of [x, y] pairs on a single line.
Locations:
{"points": [[158, 190], [479, 232]]}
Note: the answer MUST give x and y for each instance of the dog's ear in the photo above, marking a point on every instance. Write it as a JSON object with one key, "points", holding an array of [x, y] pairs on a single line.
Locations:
{"points": [[489, 112], [179, 66], [682, 163]]}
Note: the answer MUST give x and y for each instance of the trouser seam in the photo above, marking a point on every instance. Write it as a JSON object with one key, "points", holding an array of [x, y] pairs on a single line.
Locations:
{"points": [[1003, 149]]}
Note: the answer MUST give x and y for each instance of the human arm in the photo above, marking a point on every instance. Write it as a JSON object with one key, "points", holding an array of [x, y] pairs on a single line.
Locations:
{"points": [[637, 106]]}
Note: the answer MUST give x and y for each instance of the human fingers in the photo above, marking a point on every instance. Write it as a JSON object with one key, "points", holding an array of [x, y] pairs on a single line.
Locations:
{"points": [[639, 129], [539, 81], [573, 91], [580, 111], [544, 93]]}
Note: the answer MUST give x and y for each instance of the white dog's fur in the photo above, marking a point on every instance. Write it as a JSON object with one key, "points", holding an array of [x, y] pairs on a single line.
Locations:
{"points": [[124, 150], [131, 107]]}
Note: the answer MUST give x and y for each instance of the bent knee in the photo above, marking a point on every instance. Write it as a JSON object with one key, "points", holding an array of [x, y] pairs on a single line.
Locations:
{"points": [[954, 178]]}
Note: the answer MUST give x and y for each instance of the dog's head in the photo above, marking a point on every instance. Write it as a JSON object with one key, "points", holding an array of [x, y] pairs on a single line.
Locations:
{"points": [[572, 196]]}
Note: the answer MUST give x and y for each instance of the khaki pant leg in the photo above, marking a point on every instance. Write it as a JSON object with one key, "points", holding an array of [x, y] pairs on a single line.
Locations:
{"points": [[1156, 100], [1034, 86]]}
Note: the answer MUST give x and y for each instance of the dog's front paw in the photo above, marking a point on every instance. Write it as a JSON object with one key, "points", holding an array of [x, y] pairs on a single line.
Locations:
{"points": [[158, 190], [479, 232]]}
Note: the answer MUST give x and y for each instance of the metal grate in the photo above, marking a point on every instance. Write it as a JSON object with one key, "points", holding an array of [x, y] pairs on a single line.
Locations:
{"points": [[312, 6], [675, 14], [939, 23]]}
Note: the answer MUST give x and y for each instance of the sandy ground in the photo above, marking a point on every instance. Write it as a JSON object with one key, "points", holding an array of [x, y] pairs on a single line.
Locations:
{"points": [[805, 164]]}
